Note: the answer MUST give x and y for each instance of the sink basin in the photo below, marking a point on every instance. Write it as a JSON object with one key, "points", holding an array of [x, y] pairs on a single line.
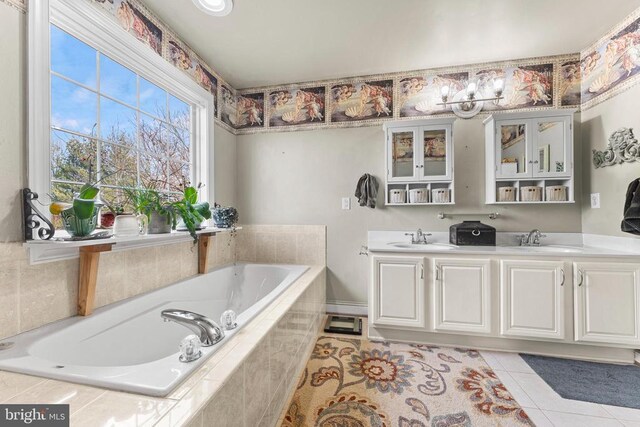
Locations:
{"points": [[549, 248], [435, 246]]}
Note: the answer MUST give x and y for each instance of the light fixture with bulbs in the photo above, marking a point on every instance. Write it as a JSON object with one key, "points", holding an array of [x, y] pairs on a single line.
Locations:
{"points": [[465, 104], [215, 7]]}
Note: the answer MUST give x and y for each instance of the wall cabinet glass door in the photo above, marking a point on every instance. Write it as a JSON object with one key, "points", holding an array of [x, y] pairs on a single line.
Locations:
{"points": [[403, 160], [421, 153], [533, 148], [551, 153]]}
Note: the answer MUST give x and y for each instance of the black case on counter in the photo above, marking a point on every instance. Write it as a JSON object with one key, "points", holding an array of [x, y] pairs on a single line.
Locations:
{"points": [[472, 233]]}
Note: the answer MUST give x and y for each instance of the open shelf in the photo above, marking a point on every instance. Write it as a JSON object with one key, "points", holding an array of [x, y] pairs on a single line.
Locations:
{"points": [[518, 184], [428, 186]]}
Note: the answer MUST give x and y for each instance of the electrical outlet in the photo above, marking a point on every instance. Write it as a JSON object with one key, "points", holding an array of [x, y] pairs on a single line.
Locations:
{"points": [[595, 200], [346, 203]]}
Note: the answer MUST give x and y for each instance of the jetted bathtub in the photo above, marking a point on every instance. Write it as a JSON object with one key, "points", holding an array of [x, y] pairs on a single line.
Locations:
{"points": [[127, 346]]}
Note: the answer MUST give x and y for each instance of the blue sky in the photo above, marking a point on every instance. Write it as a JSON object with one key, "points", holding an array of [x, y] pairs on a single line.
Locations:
{"points": [[76, 108]]}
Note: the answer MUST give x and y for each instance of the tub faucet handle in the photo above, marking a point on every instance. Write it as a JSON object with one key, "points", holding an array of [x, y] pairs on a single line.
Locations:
{"points": [[228, 320]]}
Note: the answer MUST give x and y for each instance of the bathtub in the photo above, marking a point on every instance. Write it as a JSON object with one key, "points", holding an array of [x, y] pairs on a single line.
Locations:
{"points": [[127, 346]]}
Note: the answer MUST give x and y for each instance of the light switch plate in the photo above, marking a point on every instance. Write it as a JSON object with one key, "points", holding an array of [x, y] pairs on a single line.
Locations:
{"points": [[346, 203], [595, 200]]}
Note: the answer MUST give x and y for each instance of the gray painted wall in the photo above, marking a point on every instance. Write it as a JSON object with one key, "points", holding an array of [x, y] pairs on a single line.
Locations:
{"points": [[611, 182], [300, 177]]}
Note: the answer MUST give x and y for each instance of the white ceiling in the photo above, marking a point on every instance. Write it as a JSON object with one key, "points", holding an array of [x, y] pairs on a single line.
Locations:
{"points": [[267, 42]]}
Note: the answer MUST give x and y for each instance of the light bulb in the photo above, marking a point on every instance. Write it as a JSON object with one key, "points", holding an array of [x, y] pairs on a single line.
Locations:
{"points": [[498, 85], [471, 89], [215, 7], [444, 91]]}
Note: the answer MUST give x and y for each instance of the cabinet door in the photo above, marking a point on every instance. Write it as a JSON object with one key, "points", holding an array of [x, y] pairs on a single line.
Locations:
{"points": [[552, 147], [436, 158], [607, 300], [461, 295], [532, 299], [513, 152], [397, 297], [402, 154]]}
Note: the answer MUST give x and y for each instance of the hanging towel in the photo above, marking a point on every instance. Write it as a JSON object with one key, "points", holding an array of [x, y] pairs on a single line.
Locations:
{"points": [[367, 191], [631, 219]]}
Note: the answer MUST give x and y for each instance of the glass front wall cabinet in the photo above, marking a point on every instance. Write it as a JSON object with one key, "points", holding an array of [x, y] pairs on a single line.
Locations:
{"points": [[419, 162], [530, 157]]}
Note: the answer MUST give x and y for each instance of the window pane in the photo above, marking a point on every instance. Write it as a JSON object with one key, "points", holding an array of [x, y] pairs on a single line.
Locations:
{"points": [[119, 165], [154, 172], [153, 136], [118, 81], [72, 107], [72, 58], [180, 112], [178, 176], [178, 144], [62, 192], [153, 100], [72, 157], [117, 122], [116, 198]]}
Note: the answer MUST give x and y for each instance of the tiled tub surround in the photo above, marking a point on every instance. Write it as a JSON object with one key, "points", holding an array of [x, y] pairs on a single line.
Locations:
{"points": [[246, 383], [128, 347], [35, 295]]}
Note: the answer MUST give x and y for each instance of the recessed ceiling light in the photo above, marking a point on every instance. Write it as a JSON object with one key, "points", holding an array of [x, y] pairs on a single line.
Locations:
{"points": [[215, 7]]}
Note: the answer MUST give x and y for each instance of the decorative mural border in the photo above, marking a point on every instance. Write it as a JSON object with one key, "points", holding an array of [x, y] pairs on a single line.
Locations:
{"points": [[561, 81], [528, 65], [611, 65]]}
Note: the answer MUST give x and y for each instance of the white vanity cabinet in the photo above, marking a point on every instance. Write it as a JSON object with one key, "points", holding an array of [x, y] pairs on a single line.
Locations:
{"points": [[398, 295], [529, 150], [532, 298], [607, 303], [419, 157], [461, 300]]}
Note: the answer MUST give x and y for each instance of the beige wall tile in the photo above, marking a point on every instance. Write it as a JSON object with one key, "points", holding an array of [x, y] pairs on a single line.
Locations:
{"points": [[169, 264], [12, 384], [246, 245], [9, 298], [121, 409], [112, 277], [58, 392], [257, 377], [47, 294], [265, 247], [141, 270], [286, 249], [228, 405]]}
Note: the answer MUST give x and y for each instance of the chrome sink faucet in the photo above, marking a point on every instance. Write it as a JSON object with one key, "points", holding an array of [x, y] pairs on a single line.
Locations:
{"points": [[531, 239], [206, 329], [418, 238]]}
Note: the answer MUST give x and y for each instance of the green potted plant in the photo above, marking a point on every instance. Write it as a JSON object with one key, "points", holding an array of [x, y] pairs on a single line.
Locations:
{"points": [[81, 217], [155, 206], [191, 212]]}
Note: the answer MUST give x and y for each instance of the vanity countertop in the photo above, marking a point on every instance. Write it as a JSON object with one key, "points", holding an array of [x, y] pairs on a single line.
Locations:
{"points": [[554, 244]]}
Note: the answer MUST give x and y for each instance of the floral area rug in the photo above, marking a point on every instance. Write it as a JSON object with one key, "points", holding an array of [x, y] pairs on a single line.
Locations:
{"points": [[359, 383]]}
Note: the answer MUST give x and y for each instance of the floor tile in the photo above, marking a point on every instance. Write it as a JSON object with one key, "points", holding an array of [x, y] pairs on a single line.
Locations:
{"points": [[547, 399], [512, 362], [621, 413], [514, 388], [538, 417], [563, 419], [492, 361]]}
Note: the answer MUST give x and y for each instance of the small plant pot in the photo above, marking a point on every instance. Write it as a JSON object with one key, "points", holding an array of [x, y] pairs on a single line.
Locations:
{"points": [[107, 219], [159, 223], [79, 227], [224, 217]]}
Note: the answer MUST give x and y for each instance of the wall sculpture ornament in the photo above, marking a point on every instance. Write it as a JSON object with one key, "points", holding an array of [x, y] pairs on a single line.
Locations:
{"points": [[622, 148]]}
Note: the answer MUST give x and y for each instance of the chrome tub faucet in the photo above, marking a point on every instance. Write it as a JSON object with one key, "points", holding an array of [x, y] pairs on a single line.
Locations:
{"points": [[418, 238], [206, 329], [532, 238]]}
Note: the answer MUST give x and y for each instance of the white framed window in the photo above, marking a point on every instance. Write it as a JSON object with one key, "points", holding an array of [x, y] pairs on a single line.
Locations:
{"points": [[106, 108]]}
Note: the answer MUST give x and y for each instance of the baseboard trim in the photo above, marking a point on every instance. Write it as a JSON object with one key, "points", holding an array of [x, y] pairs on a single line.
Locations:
{"points": [[336, 307]]}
